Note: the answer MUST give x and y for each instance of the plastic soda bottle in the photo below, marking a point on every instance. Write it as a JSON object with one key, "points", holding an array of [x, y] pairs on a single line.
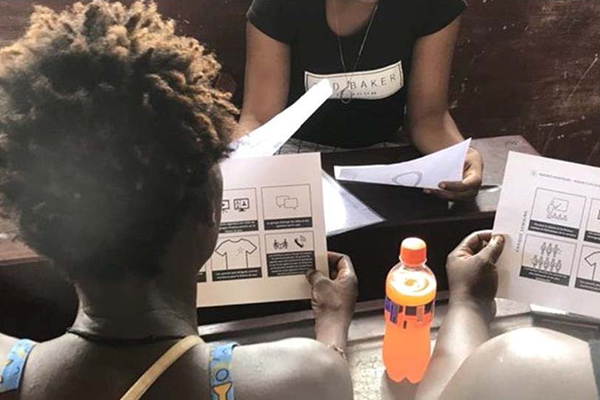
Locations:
{"points": [[409, 304]]}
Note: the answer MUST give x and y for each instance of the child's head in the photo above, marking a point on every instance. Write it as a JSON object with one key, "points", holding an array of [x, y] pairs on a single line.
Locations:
{"points": [[110, 127]]}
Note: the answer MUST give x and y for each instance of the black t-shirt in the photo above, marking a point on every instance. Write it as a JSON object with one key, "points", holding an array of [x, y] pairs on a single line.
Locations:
{"points": [[379, 84]]}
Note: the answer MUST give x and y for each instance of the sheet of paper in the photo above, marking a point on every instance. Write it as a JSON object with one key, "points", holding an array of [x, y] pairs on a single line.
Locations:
{"points": [[272, 230], [549, 211], [343, 211], [266, 140], [425, 172]]}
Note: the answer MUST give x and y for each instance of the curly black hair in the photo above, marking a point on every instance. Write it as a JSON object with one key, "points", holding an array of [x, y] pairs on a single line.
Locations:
{"points": [[109, 122]]}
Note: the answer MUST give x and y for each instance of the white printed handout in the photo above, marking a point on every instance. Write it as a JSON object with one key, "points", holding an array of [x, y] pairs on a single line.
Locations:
{"points": [[426, 172], [549, 212], [272, 231], [266, 140]]}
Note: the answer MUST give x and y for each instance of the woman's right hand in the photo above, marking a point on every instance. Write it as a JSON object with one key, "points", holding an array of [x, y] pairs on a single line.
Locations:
{"points": [[472, 274], [333, 299]]}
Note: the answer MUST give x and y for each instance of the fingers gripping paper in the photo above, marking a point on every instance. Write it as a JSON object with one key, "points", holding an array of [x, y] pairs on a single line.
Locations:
{"points": [[425, 172]]}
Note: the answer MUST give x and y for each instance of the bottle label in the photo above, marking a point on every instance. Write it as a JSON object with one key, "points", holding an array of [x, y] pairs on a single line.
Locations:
{"points": [[404, 316]]}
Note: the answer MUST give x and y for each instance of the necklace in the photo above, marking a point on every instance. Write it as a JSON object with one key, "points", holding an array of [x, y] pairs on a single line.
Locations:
{"points": [[121, 342], [346, 93]]}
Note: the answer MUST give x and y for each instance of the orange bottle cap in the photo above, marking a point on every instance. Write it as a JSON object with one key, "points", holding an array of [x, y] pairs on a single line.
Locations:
{"points": [[413, 252]]}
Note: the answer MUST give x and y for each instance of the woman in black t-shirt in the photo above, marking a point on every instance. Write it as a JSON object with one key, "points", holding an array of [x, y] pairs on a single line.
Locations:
{"points": [[382, 56]]}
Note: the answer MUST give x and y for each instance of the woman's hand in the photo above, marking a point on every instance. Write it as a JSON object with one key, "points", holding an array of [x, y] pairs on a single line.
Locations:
{"points": [[333, 299], [469, 186], [472, 274]]}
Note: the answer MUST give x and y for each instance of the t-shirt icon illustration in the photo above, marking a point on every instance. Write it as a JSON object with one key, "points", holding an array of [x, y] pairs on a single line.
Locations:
{"points": [[236, 254]]}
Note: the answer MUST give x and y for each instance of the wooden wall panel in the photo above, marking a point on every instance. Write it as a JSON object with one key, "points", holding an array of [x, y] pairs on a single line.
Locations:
{"points": [[531, 68], [526, 67]]}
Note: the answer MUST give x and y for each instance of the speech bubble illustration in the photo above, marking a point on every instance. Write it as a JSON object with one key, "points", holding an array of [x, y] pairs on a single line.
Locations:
{"points": [[291, 203], [286, 202]]}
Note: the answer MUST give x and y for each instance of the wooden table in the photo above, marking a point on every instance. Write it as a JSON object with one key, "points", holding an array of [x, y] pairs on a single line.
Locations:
{"points": [[36, 302]]}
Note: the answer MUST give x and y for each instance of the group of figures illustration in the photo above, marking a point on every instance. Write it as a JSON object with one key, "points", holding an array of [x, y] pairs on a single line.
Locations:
{"points": [[547, 259], [556, 256]]}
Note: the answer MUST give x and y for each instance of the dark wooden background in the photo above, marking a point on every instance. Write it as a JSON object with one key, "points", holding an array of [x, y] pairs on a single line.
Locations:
{"points": [[523, 67]]}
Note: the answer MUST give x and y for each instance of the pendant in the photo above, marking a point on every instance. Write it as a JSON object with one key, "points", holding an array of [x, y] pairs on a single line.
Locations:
{"points": [[346, 94]]}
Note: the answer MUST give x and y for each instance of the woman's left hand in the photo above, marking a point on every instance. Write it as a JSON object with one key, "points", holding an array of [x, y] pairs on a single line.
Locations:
{"points": [[469, 186]]}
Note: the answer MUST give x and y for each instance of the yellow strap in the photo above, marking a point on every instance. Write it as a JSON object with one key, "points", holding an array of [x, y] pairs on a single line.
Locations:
{"points": [[161, 365]]}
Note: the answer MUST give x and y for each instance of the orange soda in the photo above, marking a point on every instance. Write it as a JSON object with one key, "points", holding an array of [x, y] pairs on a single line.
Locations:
{"points": [[410, 290]]}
